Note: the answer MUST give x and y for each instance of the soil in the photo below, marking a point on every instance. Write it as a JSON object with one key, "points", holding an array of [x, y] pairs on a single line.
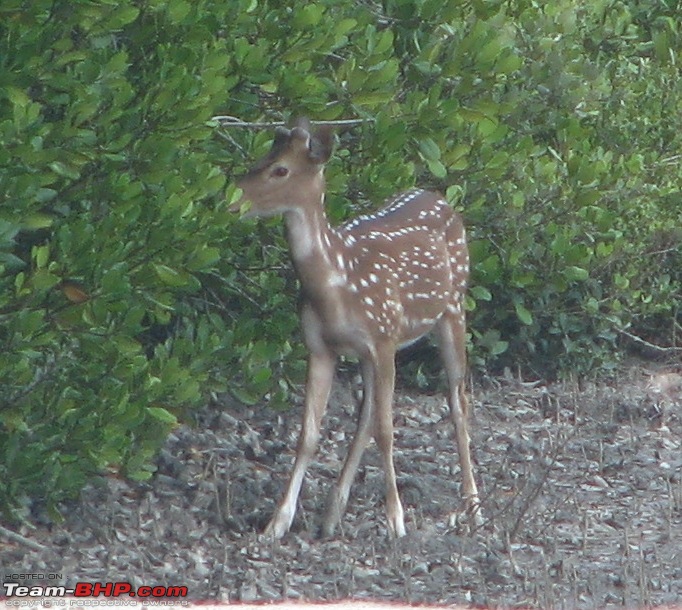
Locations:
{"points": [[581, 488]]}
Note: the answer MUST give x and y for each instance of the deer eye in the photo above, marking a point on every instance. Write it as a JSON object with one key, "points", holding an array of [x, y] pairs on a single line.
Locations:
{"points": [[280, 171]]}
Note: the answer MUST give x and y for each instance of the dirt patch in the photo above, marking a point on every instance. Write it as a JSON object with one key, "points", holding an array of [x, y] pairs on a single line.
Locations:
{"points": [[581, 491]]}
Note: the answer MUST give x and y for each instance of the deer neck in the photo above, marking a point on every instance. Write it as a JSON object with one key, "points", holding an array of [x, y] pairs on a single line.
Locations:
{"points": [[311, 244]]}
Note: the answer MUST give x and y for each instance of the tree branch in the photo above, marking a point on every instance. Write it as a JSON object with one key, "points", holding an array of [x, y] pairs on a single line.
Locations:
{"points": [[651, 346], [232, 121], [14, 537]]}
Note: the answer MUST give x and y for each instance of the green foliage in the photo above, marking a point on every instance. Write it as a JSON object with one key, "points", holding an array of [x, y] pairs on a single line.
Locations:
{"points": [[129, 293], [553, 126], [113, 215], [591, 191]]}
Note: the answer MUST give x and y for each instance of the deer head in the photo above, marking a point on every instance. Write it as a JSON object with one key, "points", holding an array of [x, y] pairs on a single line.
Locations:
{"points": [[291, 174]]}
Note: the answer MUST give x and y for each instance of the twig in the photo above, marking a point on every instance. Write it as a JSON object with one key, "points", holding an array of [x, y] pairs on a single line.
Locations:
{"points": [[537, 487], [232, 141], [651, 346], [664, 251], [10, 535], [233, 121]]}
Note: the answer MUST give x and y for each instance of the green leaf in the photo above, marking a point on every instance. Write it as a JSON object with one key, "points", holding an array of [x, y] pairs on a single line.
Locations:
{"points": [[523, 314], [162, 415], [35, 222], [17, 96], [307, 15], [10, 262], [8, 231], [203, 259], [576, 274], [123, 16], [499, 347], [126, 346], [384, 42], [429, 149], [510, 63], [170, 276], [489, 52], [262, 375], [142, 473], [64, 170], [178, 10], [244, 396], [480, 293], [437, 168], [43, 280], [41, 255], [344, 26], [457, 157]]}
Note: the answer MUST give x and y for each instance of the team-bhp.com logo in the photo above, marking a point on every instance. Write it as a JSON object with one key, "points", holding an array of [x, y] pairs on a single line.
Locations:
{"points": [[94, 589]]}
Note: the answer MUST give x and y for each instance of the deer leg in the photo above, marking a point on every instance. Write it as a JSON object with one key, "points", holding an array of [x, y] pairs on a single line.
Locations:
{"points": [[451, 331], [338, 495], [383, 434], [318, 385]]}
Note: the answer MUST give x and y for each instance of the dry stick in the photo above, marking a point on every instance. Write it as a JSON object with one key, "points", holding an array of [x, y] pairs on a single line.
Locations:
{"points": [[14, 537], [537, 487], [651, 346], [233, 121]]}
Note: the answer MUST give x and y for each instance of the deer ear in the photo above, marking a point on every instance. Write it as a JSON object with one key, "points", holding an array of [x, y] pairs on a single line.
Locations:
{"points": [[303, 123], [281, 138], [322, 144], [318, 145], [300, 139]]}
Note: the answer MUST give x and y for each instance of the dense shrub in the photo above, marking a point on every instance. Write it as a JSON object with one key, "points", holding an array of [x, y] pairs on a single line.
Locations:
{"points": [[128, 292], [111, 219], [587, 196]]}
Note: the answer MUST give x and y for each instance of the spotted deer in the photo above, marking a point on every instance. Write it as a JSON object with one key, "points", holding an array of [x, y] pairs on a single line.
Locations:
{"points": [[367, 288]]}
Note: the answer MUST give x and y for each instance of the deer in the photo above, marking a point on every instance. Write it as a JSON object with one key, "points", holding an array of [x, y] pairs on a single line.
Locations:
{"points": [[368, 288]]}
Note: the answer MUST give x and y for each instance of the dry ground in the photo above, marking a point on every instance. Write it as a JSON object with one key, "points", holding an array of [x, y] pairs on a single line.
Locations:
{"points": [[581, 487]]}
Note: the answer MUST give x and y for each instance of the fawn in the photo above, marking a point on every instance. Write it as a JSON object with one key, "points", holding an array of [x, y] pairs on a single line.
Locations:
{"points": [[368, 288]]}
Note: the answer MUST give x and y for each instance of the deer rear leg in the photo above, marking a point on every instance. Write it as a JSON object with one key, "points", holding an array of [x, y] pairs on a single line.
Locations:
{"points": [[318, 386], [383, 434], [376, 418], [451, 331]]}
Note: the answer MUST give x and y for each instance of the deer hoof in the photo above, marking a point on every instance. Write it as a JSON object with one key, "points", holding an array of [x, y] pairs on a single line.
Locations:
{"points": [[278, 526], [470, 518]]}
